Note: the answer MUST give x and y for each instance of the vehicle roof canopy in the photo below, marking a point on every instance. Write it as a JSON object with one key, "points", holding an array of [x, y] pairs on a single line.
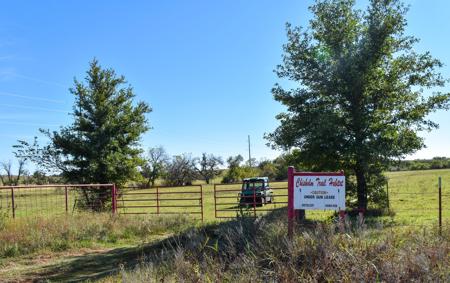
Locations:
{"points": [[256, 179]]}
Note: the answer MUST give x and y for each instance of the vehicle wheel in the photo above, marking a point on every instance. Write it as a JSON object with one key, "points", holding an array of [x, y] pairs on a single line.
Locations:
{"points": [[263, 201]]}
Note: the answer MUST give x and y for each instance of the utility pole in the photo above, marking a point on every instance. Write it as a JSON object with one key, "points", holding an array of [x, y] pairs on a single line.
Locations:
{"points": [[249, 153]]}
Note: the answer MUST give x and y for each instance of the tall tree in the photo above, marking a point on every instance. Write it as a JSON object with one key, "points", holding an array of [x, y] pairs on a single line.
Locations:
{"points": [[235, 172], [359, 103], [208, 166], [181, 170], [233, 175], [267, 168], [102, 143], [7, 176], [155, 165]]}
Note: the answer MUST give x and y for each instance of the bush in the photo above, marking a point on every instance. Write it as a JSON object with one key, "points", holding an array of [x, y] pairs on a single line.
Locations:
{"points": [[235, 175]]}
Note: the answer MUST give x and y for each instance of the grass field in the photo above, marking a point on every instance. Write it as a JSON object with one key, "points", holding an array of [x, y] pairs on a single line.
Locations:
{"points": [[413, 199], [52, 243], [413, 196]]}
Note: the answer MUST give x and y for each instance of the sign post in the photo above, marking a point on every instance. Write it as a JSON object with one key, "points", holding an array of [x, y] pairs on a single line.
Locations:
{"points": [[291, 213], [315, 191]]}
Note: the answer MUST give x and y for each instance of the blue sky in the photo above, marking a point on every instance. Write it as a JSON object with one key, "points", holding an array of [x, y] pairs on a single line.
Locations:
{"points": [[205, 67]]}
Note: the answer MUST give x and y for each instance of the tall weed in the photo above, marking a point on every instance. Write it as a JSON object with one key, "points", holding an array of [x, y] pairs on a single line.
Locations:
{"points": [[60, 233], [258, 250]]}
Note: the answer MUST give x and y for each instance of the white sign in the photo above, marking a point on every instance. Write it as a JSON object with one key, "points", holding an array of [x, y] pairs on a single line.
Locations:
{"points": [[321, 191]]}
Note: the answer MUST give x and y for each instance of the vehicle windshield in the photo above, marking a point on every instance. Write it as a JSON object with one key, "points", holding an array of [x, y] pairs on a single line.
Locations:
{"points": [[253, 185]]}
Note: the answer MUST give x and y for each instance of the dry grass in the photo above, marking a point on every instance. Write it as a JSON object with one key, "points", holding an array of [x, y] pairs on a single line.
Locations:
{"points": [[258, 251], [60, 233]]}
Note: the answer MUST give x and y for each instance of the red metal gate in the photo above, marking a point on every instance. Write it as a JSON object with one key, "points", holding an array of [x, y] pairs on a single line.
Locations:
{"points": [[53, 199], [227, 200], [187, 200]]}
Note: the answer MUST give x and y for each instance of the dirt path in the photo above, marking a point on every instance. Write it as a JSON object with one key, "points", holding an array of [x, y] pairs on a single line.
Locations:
{"points": [[32, 268], [74, 266]]}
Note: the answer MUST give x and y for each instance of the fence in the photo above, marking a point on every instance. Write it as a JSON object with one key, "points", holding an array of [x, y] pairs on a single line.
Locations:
{"points": [[161, 200], [229, 203], [49, 200], [414, 198], [419, 202]]}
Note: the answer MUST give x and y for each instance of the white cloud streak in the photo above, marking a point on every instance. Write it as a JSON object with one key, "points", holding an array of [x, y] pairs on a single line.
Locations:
{"points": [[2, 93]]}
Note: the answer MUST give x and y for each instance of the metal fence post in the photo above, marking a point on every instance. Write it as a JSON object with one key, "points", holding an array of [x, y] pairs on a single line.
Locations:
{"points": [[440, 205], [12, 203], [254, 201], [114, 199], [387, 195], [215, 201], [66, 199], [157, 200], [201, 200]]}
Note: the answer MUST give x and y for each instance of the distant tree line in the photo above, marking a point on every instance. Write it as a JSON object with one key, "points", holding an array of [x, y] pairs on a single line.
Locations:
{"points": [[180, 169], [422, 164], [184, 169], [16, 175]]}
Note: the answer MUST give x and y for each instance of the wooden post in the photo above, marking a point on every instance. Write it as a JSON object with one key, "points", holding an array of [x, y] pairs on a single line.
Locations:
{"points": [[342, 221], [291, 214], [360, 217], [300, 214]]}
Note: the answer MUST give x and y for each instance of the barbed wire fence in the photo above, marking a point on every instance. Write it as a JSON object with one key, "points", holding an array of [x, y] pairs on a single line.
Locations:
{"points": [[422, 203]]}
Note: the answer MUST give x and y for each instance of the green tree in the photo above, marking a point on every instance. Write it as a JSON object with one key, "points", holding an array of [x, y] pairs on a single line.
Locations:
{"points": [[267, 168], [102, 143], [233, 175], [236, 172], [359, 103], [155, 166], [181, 170], [7, 176], [285, 160], [208, 166]]}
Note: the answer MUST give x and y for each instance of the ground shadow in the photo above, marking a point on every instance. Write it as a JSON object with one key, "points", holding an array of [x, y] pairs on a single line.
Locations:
{"points": [[101, 264]]}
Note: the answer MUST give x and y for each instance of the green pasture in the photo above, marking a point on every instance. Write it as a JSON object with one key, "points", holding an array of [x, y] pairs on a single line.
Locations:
{"points": [[413, 196]]}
